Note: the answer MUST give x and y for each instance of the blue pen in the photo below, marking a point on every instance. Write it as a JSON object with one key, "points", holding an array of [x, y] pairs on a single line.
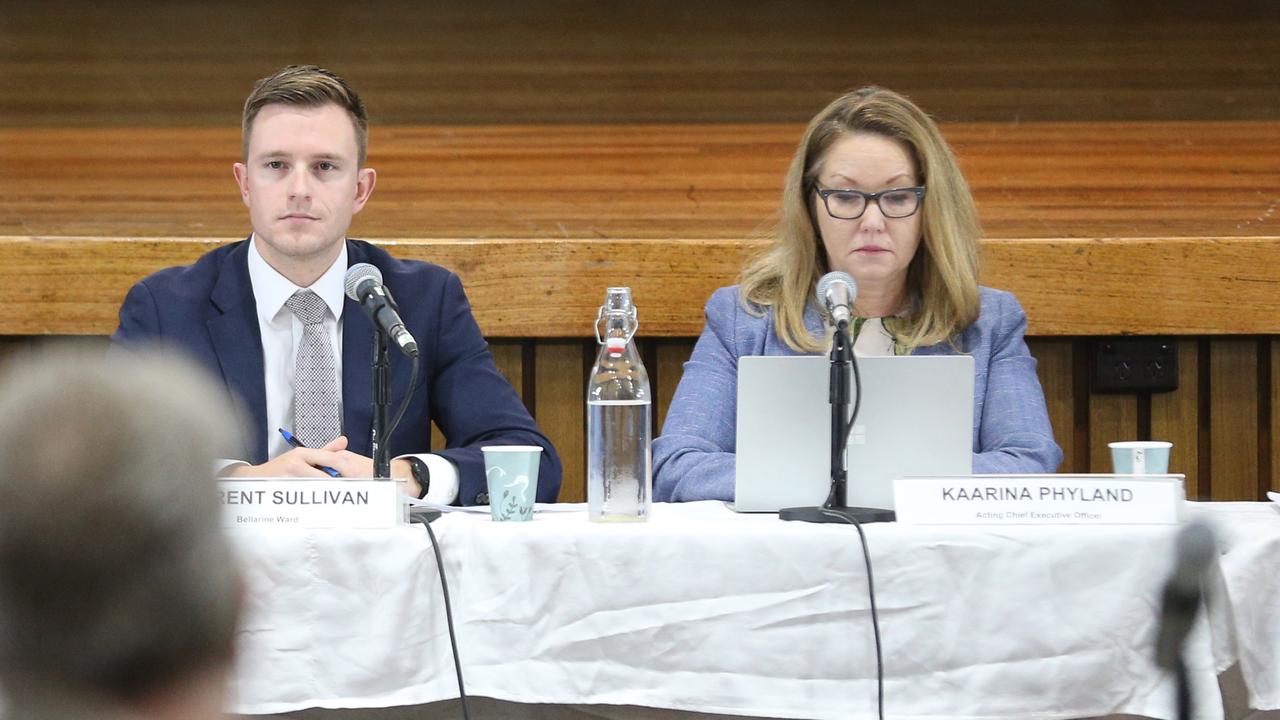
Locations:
{"points": [[295, 442]]}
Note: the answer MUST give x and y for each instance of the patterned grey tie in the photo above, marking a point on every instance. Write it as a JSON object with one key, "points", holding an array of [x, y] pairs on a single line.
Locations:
{"points": [[317, 410]]}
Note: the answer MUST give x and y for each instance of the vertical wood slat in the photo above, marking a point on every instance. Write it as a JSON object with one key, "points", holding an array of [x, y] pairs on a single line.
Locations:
{"points": [[1054, 362], [1111, 418], [1175, 416], [1233, 403], [672, 355], [1266, 409], [1081, 433], [1275, 415], [560, 395], [1205, 413], [648, 348], [508, 356]]}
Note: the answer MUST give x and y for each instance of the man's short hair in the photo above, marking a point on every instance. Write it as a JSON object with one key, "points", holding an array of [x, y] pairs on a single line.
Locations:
{"points": [[115, 579], [306, 86]]}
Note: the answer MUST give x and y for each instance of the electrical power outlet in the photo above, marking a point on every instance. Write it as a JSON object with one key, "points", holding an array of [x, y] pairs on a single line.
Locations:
{"points": [[1124, 365]]}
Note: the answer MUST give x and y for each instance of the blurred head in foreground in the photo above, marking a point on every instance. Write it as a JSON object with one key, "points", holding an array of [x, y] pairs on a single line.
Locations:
{"points": [[118, 591]]}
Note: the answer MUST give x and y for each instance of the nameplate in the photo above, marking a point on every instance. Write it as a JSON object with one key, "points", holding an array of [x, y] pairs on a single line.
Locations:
{"points": [[310, 504], [1040, 500]]}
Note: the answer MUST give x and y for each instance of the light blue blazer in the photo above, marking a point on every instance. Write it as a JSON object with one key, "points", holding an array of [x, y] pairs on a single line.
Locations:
{"points": [[693, 459]]}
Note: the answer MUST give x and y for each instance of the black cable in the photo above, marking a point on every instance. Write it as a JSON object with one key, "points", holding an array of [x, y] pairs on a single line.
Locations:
{"points": [[448, 615], [857, 396], [435, 547], [867, 555], [875, 616], [404, 404]]}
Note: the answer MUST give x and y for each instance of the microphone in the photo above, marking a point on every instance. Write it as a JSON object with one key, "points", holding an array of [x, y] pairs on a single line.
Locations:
{"points": [[836, 292], [364, 285], [1195, 551]]}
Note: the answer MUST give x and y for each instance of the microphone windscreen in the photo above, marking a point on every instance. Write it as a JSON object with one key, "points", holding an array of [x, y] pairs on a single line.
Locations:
{"points": [[356, 275], [833, 280], [1195, 551]]}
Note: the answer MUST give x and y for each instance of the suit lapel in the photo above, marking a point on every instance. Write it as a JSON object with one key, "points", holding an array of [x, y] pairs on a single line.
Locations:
{"points": [[357, 373], [238, 344]]}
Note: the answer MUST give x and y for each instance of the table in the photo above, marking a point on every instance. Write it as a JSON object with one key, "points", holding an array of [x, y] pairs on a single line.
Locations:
{"points": [[1247, 629], [705, 610]]}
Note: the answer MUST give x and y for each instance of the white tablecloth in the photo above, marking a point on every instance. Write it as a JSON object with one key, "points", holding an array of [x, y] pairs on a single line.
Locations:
{"points": [[1247, 627], [702, 609]]}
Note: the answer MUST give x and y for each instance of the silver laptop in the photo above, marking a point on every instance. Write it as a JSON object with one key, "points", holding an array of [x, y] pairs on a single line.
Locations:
{"points": [[916, 419]]}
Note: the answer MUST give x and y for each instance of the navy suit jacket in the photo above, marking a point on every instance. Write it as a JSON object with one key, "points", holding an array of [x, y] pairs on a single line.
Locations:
{"points": [[207, 309]]}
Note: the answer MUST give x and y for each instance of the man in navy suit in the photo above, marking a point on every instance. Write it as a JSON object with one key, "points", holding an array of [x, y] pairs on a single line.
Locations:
{"points": [[303, 178]]}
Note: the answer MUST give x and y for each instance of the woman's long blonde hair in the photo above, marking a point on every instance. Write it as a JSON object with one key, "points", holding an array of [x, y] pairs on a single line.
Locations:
{"points": [[942, 279]]}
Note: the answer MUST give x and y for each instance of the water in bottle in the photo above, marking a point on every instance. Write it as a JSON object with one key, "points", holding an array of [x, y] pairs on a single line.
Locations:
{"points": [[619, 421]]}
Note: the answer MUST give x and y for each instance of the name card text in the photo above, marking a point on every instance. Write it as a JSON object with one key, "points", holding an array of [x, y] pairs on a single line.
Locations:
{"points": [[310, 504], [1040, 499]]}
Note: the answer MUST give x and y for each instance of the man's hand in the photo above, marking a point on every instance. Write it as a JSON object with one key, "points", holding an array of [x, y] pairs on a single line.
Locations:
{"points": [[306, 463]]}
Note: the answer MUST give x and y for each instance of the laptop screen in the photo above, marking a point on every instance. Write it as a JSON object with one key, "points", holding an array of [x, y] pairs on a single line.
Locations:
{"points": [[916, 418]]}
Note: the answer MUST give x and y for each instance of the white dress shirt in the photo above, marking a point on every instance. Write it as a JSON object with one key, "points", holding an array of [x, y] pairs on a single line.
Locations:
{"points": [[281, 332], [872, 339]]}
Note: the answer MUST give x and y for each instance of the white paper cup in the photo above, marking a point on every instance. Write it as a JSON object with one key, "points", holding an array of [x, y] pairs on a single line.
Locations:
{"points": [[1140, 457], [511, 472]]}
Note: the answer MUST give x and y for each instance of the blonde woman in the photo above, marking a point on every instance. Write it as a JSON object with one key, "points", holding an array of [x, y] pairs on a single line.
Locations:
{"points": [[874, 191]]}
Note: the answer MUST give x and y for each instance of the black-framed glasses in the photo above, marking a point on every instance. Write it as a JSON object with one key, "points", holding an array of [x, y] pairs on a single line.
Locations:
{"points": [[849, 204]]}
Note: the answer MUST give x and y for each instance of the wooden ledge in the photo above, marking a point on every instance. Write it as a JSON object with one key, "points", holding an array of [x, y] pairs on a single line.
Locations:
{"points": [[532, 287]]}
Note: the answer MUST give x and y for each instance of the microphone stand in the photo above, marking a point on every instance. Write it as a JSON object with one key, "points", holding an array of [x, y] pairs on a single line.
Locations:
{"points": [[1171, 644], [836, 508], [1176, 618], [1184, 688], [1184, 593], [380, 444], [1177, 615]]}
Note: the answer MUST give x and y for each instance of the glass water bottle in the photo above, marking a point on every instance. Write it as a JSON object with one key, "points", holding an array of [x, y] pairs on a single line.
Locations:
{"points": [[619, 423]]}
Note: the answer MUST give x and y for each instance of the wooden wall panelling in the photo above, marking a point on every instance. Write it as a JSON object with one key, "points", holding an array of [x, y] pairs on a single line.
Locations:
{"points": [[1233, 403], [1205, 444], [617, 61], [1275, 415], [552, 288], [668, 207], [648, 348], [560, 392], [1054, 363], [710, 181], [1080, 457], [508, 355], [613, 60], [672, 355], [1111, 418], [1175, 416], [1265, 410]]}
